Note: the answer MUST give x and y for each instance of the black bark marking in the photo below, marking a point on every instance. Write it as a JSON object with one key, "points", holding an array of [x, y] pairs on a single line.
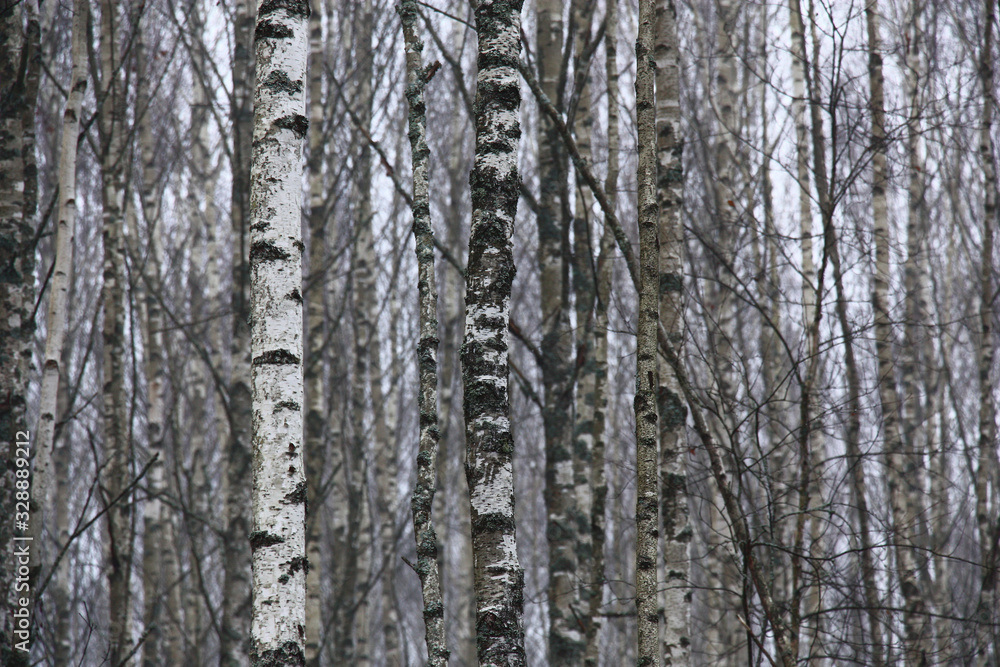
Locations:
{"points": [[272, 30], [297, 123], [278, 357], [278, 82], [293, 7], [290, 654], [265, 251], [297, 496], [287, 405], [262, 538]]}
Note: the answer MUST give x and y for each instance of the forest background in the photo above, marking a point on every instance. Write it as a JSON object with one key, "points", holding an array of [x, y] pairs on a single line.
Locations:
{"points": [[825, 484]]}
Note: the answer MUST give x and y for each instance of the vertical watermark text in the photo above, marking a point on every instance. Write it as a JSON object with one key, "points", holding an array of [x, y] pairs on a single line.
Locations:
{"points": [[22, 542]]}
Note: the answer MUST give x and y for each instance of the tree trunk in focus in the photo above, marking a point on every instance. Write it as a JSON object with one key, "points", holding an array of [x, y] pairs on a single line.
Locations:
{"points": [[278, 539], [495, 184]]}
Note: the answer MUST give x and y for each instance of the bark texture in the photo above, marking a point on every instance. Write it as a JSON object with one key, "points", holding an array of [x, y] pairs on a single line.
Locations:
{"points": [[59, 285], [495, 183], [566, 642], [646, 371], [315, 409], [598, 479], [277, 541], [160, 594], [422, 501], [113, 130], [676, 608]]}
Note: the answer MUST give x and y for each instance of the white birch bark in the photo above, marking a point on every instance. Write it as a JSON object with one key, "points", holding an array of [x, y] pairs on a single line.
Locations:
{"points": [[277, 539], [585, 293], [160, 596], [495, 181], [676, 606], [59, 286]]}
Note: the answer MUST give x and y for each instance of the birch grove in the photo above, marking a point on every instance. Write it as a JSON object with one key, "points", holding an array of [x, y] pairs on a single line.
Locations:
{"points": [[464, 333]]}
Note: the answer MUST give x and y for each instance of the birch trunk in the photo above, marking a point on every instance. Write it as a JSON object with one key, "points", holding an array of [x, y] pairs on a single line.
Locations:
{"points": [[676, 608], [62, 275], [495, 181], [427, 347], [61, 578], [277, 541], [566, 642], [920, 378], [366, 357], [316, 452], [585, 291], [646, 373], [235, 621], [728, 204], [598, 478], [118, 548], [901, 466], [785, 485], [159, 594], [986, 612], [200, 190]]}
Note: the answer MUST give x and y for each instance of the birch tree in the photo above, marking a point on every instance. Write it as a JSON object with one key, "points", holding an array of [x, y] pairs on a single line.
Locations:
{"points": [[677, 531], [598, 478], [495, 182], [901, 468], [566, 643], [427, 347], [277, 539], [989, 535], [315, 338], [646, 372], [113, 130], [59, 287], [234, 627]]}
